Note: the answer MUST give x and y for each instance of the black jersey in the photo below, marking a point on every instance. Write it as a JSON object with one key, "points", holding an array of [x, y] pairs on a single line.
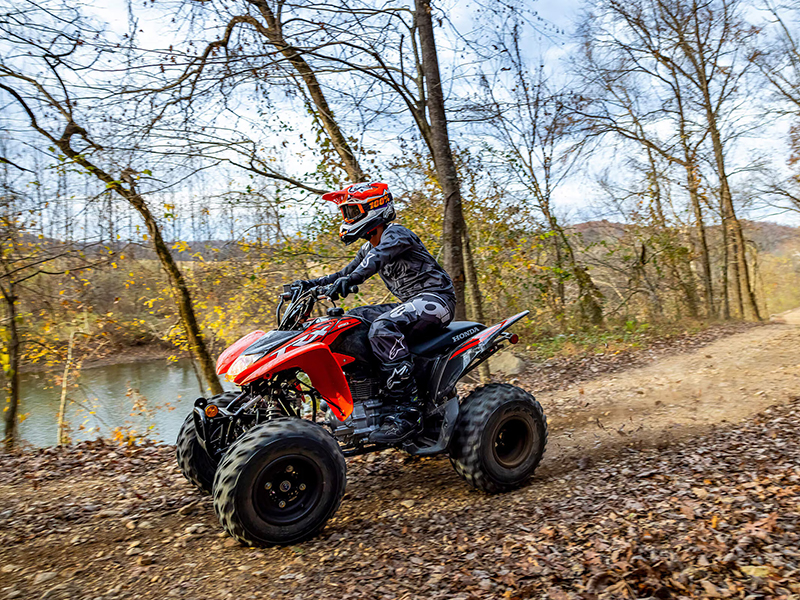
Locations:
{"points": [[403, 263]]}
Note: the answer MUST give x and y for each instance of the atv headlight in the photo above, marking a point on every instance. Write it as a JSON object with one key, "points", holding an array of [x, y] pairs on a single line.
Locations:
{"points": [[240, 364]]}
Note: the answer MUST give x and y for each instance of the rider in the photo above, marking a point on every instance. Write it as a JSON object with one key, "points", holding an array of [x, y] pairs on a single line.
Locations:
{"points": [[410, 272]]}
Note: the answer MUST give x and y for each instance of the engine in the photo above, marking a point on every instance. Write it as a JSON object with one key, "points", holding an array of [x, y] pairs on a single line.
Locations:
{"points": [[367, 412]]}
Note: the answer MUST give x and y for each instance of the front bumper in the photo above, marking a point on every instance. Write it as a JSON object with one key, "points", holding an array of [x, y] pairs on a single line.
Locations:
{"points": [[213, 432]]}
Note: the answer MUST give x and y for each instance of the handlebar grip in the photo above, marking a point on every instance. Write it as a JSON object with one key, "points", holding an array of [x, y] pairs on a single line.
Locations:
{"points": [[353, 289]]}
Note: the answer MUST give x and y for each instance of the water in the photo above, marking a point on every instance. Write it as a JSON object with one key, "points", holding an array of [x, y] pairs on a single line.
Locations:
{"points": [[151, 398]]}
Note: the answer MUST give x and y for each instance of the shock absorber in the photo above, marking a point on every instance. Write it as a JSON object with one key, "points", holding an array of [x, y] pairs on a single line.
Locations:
{"points": [[273, 412]]}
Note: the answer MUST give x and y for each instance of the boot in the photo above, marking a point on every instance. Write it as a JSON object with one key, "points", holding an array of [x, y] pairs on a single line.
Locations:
{"points": [[401, 389]]}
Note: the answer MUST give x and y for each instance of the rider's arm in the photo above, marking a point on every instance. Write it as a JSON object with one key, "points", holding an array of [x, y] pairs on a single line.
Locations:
{"points": [[394, 241], [329, 279]]}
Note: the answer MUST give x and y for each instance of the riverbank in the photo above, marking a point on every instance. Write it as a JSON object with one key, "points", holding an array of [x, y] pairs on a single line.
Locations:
{"points": [[109, 356]]}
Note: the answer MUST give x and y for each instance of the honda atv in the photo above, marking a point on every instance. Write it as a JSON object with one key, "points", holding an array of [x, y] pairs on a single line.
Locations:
{"points": [[273, 453]]}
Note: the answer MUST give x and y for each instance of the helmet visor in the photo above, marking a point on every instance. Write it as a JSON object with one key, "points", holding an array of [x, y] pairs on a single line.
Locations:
{"points": [[352, 212]]}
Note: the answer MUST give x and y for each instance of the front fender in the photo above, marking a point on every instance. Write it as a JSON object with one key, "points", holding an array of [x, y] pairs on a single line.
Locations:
{"points": [[316, 361]]}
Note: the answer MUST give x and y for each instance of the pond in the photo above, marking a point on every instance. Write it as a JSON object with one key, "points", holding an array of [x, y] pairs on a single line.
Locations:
{"points": [[151, 398]]}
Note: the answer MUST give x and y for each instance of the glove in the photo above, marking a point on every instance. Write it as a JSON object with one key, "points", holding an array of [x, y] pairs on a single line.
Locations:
{"points": [[338, 289], [303, 284]]}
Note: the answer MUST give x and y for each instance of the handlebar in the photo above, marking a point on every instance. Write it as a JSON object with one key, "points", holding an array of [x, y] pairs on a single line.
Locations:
{"points": [[318, 292], [301, 303], [321, 291]]}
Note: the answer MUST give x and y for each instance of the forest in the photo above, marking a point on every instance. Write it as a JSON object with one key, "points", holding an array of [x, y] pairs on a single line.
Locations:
{"points": [[631, 170]]}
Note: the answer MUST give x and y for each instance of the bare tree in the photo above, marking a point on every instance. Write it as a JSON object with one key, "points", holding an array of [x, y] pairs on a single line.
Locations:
{"points": [[534, 126], [780, 61], [690, 52], [45, 88]]}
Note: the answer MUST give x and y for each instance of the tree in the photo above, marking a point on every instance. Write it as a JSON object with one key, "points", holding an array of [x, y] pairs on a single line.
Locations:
{"points": [[689, 51], [24, 258], [534, 126], [453, 224], [41, 84], [779, 63]]}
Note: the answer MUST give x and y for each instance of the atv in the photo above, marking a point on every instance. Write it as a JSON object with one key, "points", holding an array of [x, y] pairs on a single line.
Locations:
{"points": [[273, 453]]}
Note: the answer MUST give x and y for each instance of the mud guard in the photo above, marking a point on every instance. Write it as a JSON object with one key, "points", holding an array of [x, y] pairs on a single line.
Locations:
{"points": [[473, 350], [227, 358], [316, 361]]}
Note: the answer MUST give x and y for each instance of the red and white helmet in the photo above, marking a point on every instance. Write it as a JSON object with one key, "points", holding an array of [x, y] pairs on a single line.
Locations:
{"points": [[364, 207]]}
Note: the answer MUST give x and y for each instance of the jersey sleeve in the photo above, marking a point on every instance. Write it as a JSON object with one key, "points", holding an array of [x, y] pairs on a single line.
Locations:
{"points": [[347, 270], [394, 241]]}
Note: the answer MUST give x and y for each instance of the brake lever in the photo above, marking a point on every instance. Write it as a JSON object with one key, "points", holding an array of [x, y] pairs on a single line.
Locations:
{"points": [[351, 290]]}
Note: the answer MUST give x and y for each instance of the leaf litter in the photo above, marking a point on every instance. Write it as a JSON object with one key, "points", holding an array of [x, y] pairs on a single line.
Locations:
{"points": [[711, 516]]}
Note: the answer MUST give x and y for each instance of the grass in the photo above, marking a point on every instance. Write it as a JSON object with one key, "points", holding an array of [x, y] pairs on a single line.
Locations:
{"points": [[615, 337]]}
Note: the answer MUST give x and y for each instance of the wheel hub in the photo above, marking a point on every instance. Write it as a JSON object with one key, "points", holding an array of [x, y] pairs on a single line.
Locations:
{"points": [[288, 488], [513, 442]]}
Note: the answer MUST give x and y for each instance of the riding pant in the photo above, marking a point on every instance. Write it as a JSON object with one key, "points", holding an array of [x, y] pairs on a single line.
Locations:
{"points": [[396, 325]]}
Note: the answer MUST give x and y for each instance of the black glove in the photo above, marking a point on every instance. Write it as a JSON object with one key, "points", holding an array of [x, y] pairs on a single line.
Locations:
{"points": [[338, 289], [303, 284]]}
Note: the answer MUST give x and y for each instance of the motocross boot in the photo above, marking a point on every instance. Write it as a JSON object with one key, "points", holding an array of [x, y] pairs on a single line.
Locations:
{"points": [[401, 390]]}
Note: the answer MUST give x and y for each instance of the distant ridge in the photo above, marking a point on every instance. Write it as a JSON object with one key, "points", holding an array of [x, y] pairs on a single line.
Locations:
{"points": [[767, 236]]}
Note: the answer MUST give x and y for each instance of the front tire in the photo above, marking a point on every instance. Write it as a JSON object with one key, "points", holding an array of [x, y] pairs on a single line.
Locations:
{"points": [[500, 438], [195, 463], [279, 483]]}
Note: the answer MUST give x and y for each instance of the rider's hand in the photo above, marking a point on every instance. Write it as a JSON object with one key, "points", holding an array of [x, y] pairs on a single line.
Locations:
{"points": [[303, 284], [338, 289]]}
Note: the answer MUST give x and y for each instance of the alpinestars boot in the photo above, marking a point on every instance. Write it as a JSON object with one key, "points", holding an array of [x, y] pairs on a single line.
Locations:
{"points": [[401, 390]]}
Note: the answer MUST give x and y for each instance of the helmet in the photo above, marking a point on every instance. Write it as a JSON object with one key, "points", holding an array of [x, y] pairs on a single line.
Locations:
{"points": [[364, 206]]}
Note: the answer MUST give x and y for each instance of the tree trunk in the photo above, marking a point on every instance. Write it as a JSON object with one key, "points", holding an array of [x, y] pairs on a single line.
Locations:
{"points": [[453, 228], [726, 293], [705, 259], [741, 284], [62, 405], [475, 297], [180, 290], [274, 34], [12, 405], [736, 276], [182, 296]]}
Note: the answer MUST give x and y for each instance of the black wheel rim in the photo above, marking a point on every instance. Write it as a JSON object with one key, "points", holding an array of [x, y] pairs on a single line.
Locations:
{"points": [[513, 442], [287, 489]]}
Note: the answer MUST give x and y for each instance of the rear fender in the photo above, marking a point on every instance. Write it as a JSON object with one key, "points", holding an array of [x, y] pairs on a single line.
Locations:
{"points": [[474, 349], [324, 371]]}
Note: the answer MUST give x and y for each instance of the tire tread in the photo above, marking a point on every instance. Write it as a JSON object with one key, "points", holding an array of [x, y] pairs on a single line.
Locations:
{"points": [[193, 461], [244, 449], [477, 407]]}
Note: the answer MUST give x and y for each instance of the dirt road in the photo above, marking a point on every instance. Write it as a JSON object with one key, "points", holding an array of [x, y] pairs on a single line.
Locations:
{"points": [[725, 382], [660, 481]]}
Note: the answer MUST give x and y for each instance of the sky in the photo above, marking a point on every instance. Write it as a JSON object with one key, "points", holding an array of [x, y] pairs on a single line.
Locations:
{"points": [[553, 44]]}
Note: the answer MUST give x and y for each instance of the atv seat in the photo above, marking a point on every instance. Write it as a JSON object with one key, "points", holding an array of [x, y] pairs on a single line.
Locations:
{"points": [[451, 336]]}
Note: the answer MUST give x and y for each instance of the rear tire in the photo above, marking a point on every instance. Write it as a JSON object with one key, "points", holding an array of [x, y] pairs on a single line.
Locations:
{"points": [[500, 438], [279, 483], [195, 463]]}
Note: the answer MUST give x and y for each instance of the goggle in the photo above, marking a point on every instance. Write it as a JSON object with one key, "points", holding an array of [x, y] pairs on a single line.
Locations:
{"points": [[352, 212]]}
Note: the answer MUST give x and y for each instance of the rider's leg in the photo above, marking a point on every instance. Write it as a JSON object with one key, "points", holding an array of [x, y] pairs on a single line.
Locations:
{"points": [[371, 312], [388, 337]]}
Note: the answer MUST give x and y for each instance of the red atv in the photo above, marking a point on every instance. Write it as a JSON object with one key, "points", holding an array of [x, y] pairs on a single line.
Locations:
{"points": [[273, 454]]}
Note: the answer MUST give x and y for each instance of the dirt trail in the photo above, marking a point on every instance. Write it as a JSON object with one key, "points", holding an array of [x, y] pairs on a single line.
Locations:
{"points": [[103, 522], [724, 382]]}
